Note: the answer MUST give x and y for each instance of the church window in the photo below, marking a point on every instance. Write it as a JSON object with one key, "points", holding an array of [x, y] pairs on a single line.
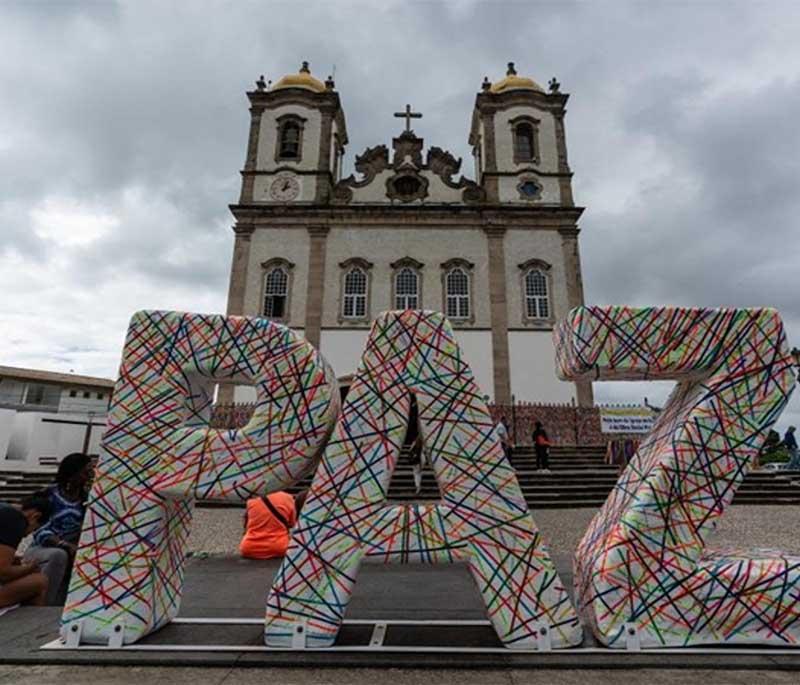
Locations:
{"points": [[537, 300], [289, 141], [355, 294], [524, 142], [457, 293], [406, 289], [530, 190], [525, 132], [276, 293]]}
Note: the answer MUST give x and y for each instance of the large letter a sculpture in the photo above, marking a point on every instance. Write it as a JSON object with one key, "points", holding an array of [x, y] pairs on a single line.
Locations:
{"points": [[483, 518]]}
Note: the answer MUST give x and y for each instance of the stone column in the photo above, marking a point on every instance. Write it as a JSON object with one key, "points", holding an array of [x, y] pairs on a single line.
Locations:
{"points": [[498, 308], [252, 155], [241, 259], [489, 180], [316, 283], [236, 290], [572, 273], [565, 177], [324, 176]]}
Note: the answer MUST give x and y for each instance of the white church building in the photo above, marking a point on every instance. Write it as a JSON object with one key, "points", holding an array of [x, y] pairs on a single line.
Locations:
{"points": [[497, 253]]}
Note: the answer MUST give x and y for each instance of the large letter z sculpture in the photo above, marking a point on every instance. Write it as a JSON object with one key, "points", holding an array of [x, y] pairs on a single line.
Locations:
{"points": [[642, 570], [158, 455], [483, 518]]}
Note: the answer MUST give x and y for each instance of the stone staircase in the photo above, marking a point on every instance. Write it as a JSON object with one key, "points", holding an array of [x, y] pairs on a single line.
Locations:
{"points": [[578, 478], [14, 485]]}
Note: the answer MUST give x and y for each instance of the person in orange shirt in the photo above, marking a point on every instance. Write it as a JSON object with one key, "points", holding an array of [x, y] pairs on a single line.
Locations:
{"points": [[267, 523]]}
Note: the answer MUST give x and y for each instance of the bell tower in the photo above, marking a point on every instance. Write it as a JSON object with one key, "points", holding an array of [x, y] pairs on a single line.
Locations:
{"points": [[518, 142], [297, 139]]}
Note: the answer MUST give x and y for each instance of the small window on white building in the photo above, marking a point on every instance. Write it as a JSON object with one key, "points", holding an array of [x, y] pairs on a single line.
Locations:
{"points": [[354, 304], [457, 293], [276, 293], [406, 289], [42, 394]]}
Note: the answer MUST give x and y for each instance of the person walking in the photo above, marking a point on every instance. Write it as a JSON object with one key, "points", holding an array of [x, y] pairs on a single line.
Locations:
{"points": [[502, 432], [541, 445], [791, 445], [55, 544], [21, 583]]}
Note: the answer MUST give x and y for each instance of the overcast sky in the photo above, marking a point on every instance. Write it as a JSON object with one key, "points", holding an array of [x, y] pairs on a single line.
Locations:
{"points": [[123, 128]]}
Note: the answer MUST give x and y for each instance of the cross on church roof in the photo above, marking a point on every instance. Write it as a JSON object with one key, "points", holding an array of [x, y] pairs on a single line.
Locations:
{"points": [[408, 115]]}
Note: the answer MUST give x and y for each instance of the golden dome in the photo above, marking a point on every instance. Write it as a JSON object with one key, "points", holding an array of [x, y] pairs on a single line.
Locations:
{"points": [[303, 79], [514, 82]]}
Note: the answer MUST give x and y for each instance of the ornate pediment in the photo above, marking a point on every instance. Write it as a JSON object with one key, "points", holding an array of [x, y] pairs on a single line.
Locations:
{"points": [[412, 178]]}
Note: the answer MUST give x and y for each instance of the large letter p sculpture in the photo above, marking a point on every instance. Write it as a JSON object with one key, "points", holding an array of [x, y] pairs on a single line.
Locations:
{"points": [[158, 455]]}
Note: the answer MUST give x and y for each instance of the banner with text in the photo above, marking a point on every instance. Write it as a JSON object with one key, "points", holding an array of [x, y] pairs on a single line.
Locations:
{"points": [[626, 419]]}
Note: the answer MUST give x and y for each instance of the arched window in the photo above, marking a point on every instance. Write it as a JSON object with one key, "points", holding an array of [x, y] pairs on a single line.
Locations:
{"points": [[289, 147], [354, 305], [406, 289], [524, 148], [457, 293], [276, 293], [537, 300]]}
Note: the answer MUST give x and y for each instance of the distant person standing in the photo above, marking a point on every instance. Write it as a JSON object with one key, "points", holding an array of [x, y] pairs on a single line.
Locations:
{"points": [[501, 429], [541, 445], [791, 444]]}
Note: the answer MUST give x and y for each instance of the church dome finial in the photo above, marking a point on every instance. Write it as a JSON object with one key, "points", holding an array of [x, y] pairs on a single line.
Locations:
{"points": [[513, 81], [302, 79]]}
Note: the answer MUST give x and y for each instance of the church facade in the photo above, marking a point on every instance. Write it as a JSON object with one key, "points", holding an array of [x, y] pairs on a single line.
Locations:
{"points": [[497, 253]]}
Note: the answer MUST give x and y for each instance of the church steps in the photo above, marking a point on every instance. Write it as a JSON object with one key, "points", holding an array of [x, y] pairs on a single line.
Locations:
{"points": [[580, 482]]}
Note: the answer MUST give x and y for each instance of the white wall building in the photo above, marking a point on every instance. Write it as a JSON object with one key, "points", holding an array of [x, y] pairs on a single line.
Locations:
{"points": [[498, 254], [45, 415]]}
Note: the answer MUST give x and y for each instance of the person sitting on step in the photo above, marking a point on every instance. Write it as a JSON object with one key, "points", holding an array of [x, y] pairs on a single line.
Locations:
{"points": [[55, 544], [268, 521], [21, 582]]}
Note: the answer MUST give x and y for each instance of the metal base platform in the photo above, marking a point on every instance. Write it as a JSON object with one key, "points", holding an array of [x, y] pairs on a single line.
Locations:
{"points": [[400, 636], [399, 617]]}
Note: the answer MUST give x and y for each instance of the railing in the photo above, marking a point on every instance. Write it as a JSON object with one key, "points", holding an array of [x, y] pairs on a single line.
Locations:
{"points": [[566, 424]]}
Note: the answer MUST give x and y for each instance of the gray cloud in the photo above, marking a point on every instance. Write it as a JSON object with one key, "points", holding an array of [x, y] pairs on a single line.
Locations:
{"points": [[132, 117]]}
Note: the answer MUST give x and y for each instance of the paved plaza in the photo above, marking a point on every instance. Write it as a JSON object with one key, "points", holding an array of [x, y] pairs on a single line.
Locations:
{"points": [[218, 584], [217, 531], [112, 675]]}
